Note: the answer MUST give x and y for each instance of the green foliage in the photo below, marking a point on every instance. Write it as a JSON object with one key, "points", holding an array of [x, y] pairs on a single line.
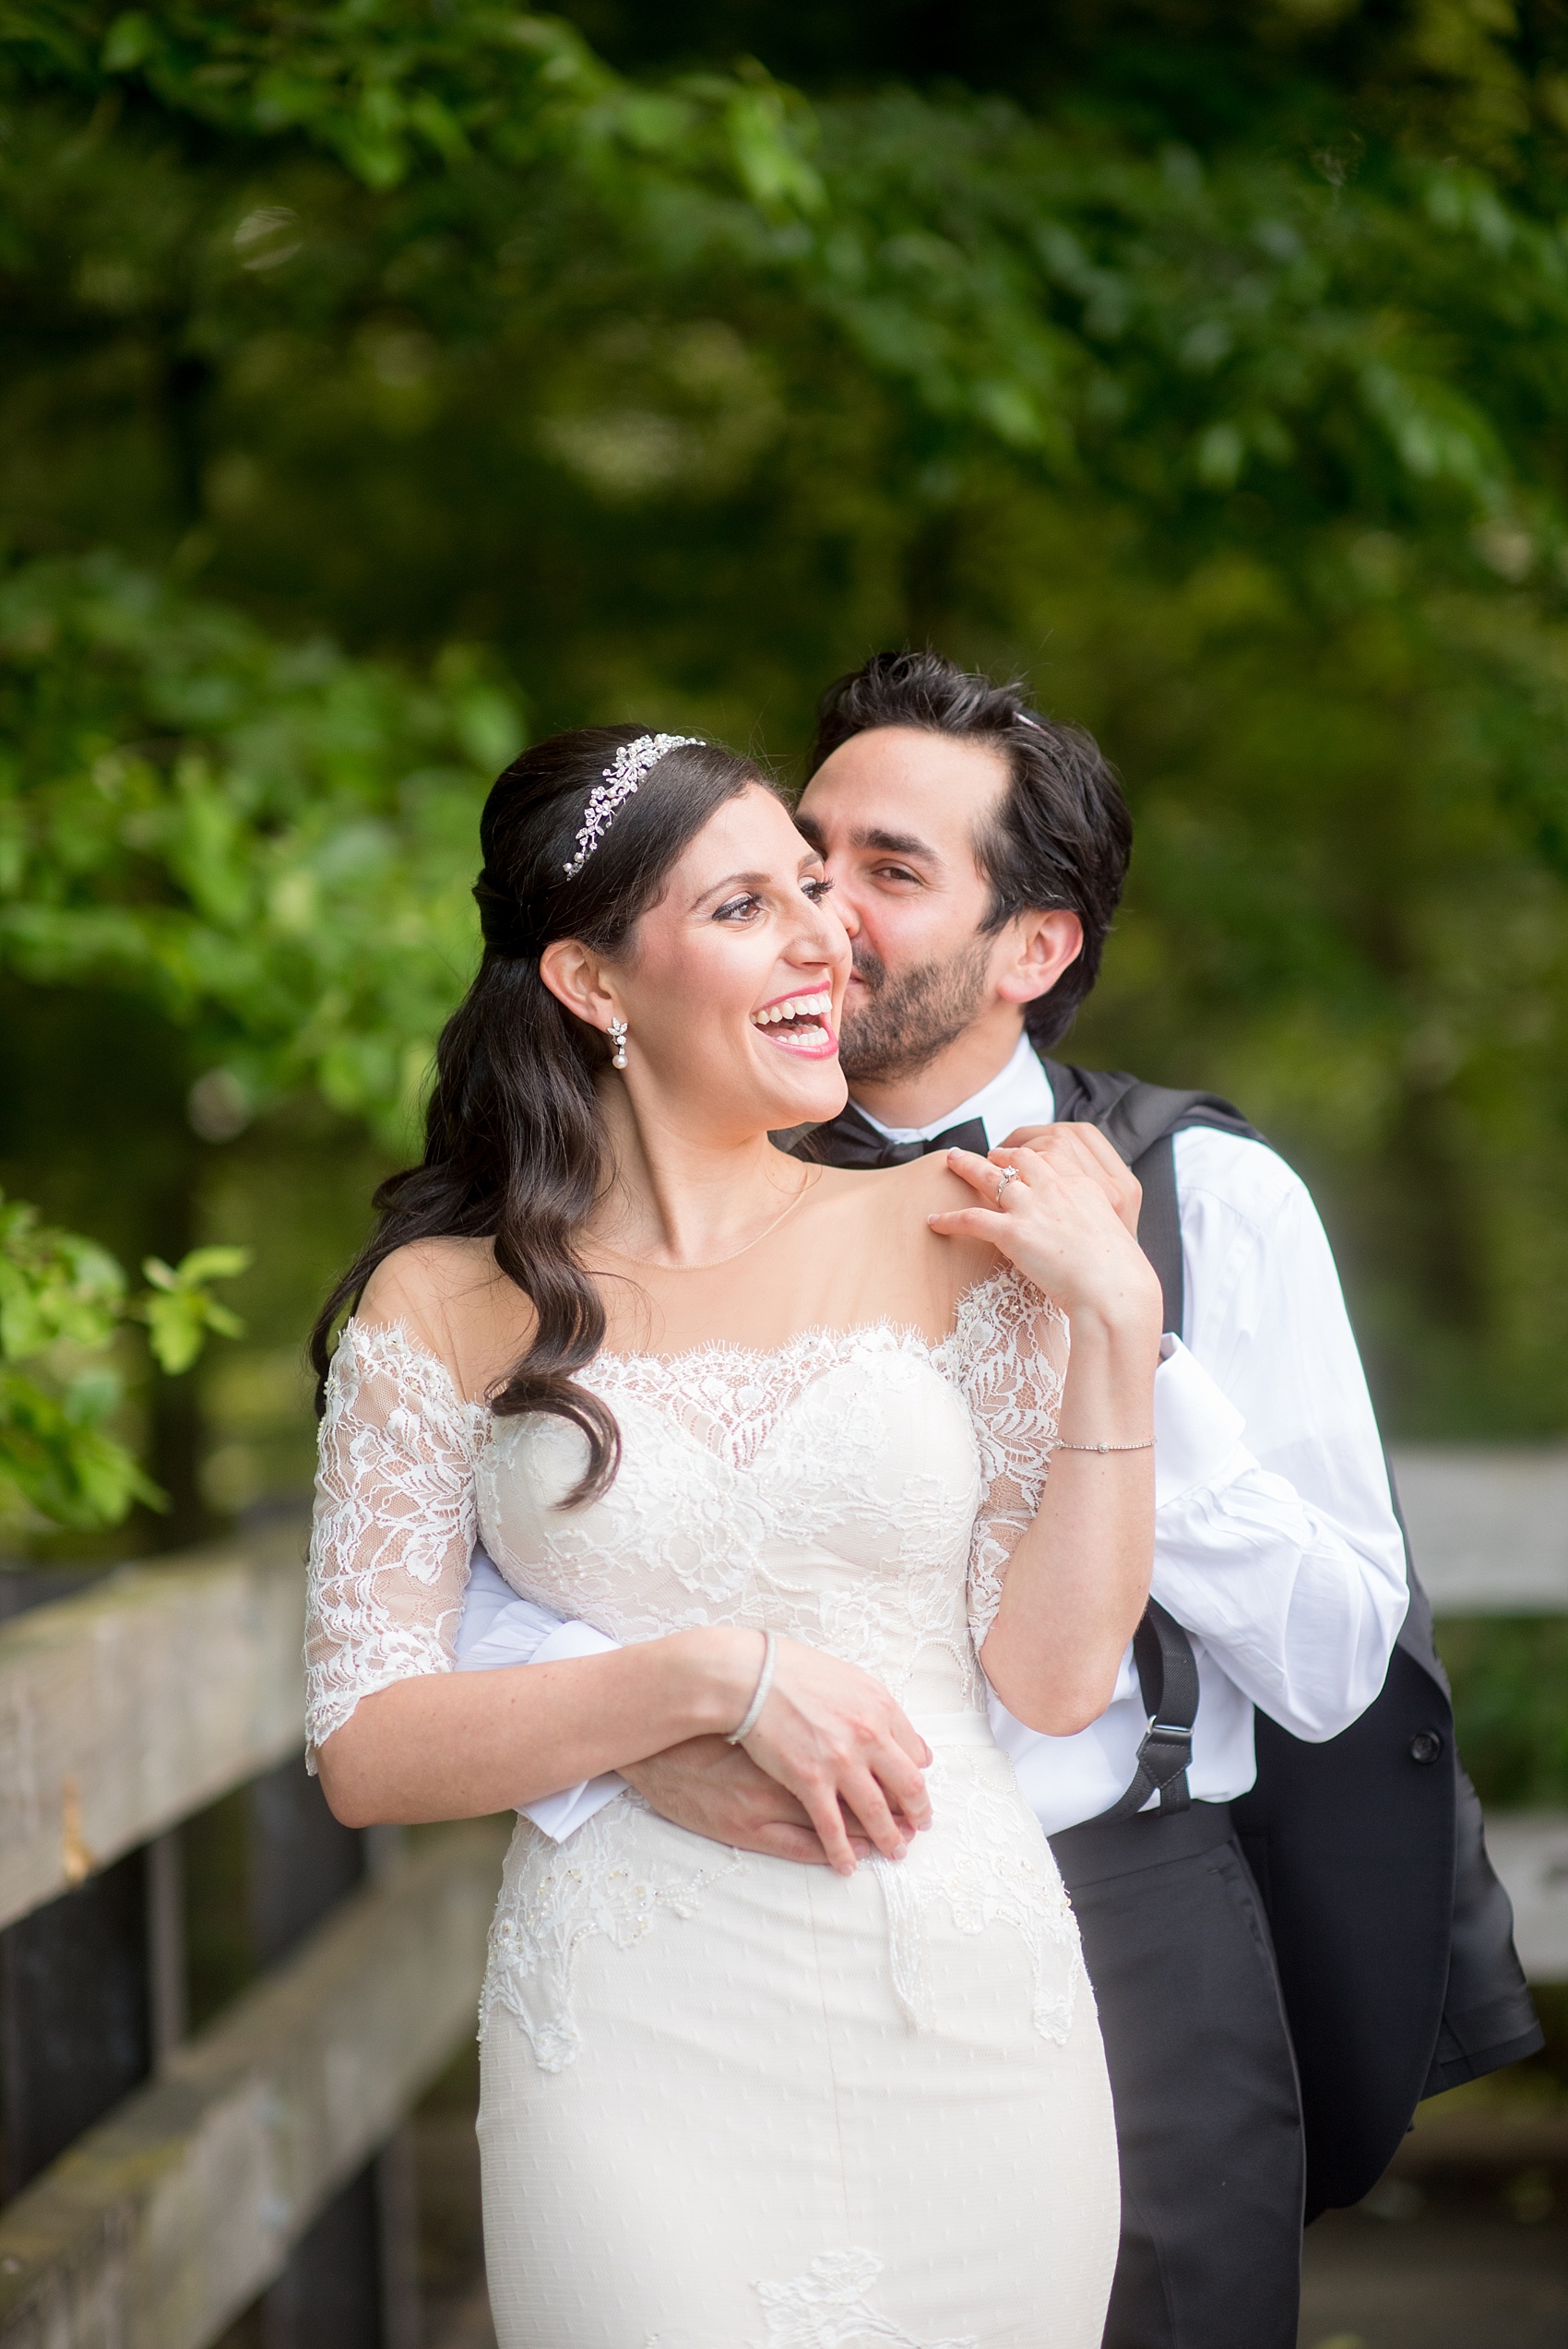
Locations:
{"points": [[1508, 1682], [387, 87], [53, 1285], [1206, 361], [276, 842], [63, 1301], [180, 1308]]}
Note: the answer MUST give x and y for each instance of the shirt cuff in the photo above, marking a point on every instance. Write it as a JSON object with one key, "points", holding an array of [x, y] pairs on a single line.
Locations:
{"points": [[1197, 1428], [562, 1814], [496, 1627]]}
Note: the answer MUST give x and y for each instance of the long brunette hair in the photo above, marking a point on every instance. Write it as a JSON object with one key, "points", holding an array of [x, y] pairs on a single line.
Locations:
{"points": [[515, 1149]]}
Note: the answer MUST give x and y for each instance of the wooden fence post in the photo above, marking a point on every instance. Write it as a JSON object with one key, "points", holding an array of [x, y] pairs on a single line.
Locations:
{"points": [[350, 2282], [75, 2016], [168, 1987]]}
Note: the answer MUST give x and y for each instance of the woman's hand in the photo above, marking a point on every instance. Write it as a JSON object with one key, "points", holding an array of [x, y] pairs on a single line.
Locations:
{"points": [[1077, 1578], [713, 1788], [1054, 1218], [1074, 1146], [836, 1739]]}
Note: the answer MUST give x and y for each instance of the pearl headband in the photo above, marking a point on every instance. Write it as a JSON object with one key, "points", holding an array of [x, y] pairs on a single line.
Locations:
{"points": [[632, 761]]}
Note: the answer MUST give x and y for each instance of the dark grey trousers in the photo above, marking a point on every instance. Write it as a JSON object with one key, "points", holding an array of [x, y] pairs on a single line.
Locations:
{"points": [[1208, 2116]]}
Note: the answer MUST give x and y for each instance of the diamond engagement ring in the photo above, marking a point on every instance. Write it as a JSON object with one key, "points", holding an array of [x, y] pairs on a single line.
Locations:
{"points": [[1008, 1174]]}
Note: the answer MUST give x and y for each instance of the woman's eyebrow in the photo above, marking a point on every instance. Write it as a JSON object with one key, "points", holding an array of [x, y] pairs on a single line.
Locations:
{"points": [[733, 881]]}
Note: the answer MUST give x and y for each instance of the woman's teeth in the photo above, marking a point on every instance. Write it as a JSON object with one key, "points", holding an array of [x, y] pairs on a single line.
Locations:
{"points": [[800, 1016], [793, 1007]]}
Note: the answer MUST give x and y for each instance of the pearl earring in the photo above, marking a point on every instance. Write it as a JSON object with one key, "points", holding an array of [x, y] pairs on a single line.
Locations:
{"points": [[618, 1040]]}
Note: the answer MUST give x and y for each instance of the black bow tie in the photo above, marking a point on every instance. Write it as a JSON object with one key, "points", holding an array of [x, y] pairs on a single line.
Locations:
{"points": [[851, 1140]]}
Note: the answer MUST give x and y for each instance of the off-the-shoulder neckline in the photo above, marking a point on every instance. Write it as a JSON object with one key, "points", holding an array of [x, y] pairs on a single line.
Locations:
{"points": [[904, 1334]]}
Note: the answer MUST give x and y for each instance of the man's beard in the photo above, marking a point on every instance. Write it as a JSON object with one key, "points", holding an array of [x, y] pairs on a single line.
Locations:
{"points": [[902, 1023]]}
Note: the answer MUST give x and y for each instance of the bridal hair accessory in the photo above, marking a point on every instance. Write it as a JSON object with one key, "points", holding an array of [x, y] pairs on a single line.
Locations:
{"points": [[759, 1695], [618, 1043], [632, 761]]}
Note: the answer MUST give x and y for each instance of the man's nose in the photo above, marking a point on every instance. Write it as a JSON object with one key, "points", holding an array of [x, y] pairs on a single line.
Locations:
{"points": [[842, 902]]}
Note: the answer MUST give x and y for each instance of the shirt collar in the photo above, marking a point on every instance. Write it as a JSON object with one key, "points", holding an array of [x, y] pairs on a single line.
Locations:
{"points": [[1019, 1094]]}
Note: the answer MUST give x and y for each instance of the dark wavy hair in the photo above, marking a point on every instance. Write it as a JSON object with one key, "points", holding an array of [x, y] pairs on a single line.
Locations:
{"points": [[1061, 836], [515, 1149]]}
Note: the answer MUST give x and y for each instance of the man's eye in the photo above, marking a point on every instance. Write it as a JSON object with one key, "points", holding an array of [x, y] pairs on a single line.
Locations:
{"points": [[895, 872], [738, 909]]}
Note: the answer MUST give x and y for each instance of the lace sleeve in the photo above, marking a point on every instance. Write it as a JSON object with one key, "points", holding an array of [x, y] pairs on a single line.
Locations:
{"points": [[394, 1523], [1011, 1350]]}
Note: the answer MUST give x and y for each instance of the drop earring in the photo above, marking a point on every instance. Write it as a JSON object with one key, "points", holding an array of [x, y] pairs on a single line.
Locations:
{"points": [[618, 1043]]}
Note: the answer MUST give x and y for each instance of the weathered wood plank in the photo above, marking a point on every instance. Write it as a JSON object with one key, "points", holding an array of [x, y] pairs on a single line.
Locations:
{"points": [[165, 2221], [1488, 1525], [128, 1707], [1529, 1851]]}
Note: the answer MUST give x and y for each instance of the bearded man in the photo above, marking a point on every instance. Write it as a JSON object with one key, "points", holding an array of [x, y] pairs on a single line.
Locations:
{"points": [[1286, 1907]]}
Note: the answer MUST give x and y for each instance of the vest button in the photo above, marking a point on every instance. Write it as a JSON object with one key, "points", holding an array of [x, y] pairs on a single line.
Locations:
{"points": [[1426, 1745]]}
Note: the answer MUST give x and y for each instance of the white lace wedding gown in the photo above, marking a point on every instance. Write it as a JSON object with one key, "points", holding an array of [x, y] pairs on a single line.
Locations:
{"points": [[729, 2102]]}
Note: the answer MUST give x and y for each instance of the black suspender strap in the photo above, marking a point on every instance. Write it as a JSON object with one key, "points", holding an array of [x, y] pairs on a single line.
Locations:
{"points": [[1167, 1676], [1140, 1121], [1159, 1226]]}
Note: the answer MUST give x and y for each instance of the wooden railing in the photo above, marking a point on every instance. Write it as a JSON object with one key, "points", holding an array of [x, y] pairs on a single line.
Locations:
{"points": [[1488, 1525], [126, 1709], [161, 2224]]}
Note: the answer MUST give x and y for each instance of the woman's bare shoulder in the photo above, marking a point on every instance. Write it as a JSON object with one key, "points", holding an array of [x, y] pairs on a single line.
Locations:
{"points": [[451, 1296], [424, 1281]]}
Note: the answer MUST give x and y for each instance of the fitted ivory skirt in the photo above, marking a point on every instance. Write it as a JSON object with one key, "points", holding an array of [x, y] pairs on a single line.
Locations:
{"points": [[730, 2101]]}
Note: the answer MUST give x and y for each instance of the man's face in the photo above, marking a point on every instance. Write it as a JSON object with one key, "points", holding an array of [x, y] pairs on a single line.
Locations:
{"points": [[894, 813]]}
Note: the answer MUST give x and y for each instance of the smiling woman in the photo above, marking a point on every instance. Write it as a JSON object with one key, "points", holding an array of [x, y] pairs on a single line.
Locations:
{"points": [[578, 838], [782, 1432]]}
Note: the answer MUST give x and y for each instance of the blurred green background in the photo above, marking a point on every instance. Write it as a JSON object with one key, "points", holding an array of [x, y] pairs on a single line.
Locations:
{"points": [[388, 382]]}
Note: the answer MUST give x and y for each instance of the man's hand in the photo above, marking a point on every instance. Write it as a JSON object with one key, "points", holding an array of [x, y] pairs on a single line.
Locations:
{"points": [[1084, 1150], [714, 1789]]}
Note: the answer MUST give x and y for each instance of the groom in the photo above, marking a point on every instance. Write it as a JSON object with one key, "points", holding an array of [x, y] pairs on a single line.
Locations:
{"points": [[978, 853]]}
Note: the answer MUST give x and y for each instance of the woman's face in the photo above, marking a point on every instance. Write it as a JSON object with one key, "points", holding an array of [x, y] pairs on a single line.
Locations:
{"points": [[734, 981]]}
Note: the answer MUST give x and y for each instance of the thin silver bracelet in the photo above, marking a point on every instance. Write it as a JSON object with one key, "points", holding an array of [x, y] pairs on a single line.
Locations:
{"points": [[1104, 1447], [759, 1694]]}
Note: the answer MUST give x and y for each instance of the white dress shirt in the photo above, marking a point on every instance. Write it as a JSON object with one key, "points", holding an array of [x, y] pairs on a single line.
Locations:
{"points": [[1276, 1543]]}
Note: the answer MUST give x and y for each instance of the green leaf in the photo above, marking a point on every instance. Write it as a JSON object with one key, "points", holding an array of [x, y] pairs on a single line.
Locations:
{"points": [[178, 1308], [204, 1264], [55, 1286], [176, 1329], [129, 38], [60, 1462]]}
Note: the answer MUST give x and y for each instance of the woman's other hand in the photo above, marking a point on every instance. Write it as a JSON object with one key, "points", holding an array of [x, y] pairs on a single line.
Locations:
{"points": [[1054, 1217], [839, 1742], [1072, 1146]]}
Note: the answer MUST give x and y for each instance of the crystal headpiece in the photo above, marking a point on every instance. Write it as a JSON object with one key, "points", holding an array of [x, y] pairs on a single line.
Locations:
{"points": [[632, 761]]}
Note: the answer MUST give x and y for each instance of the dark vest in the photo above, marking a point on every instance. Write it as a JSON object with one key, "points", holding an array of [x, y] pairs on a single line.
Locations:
{"points": [[1394, 1938]]}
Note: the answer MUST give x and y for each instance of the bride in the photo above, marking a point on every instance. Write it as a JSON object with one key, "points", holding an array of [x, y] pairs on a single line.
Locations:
{"points": [[781, 1432]]}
